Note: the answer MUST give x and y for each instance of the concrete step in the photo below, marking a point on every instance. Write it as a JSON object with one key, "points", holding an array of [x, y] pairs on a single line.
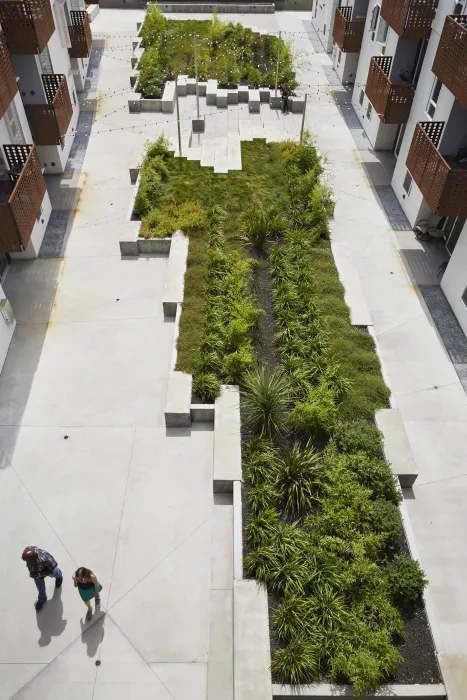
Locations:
{"points": [[208, 150], [245, 130], [220, 155], [220, 654], [194, 153]]}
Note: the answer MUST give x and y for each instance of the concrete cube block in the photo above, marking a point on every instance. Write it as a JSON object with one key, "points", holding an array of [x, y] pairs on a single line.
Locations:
{"points": [[211, 92], [178, 400], [134, 103], [232, 97], [397, 448], [297, 104], [243, 93], [181, 86], [221, 98], [191, 86], [275, 101], [264, 94], [202, 86], [253, 101], [133, 79], [150, 104], [198, 125]]}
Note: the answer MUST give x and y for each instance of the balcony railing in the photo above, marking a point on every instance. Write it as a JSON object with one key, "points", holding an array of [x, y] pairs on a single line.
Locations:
{"points": [[410, 19], [80, 34], [27, 188], [450, 64], [8, 85], [28, 25], [442, 180], [49, 122], [391, 102], [347, 33]]}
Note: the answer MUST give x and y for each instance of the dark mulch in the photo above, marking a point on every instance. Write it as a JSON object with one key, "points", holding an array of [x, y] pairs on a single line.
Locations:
{"points": [[419, 664]]}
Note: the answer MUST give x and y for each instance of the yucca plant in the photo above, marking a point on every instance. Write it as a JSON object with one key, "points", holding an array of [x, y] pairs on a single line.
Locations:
{"points": [[261, 528], [297, 663], [299, 476], [266, 399]]}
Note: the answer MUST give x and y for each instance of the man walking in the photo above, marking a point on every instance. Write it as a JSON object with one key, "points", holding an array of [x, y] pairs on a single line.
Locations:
{"points": [[41, 564], [285, 99]]}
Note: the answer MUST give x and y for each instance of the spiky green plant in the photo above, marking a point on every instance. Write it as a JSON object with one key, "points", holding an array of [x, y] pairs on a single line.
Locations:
{"points": [[299, 476], [260, 529], [297, 663], [266, 399]]}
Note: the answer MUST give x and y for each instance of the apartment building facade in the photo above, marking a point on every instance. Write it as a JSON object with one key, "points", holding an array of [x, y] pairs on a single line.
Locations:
{"points": [[44, 53], [406, 61]]}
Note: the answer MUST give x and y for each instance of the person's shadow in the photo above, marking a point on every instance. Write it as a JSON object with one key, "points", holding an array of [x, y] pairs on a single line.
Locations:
{"points": [[50, 619], [92, 633]]}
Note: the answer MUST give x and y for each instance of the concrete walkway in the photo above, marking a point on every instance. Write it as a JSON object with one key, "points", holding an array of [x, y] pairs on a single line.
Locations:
{"points": [[132, 500]]}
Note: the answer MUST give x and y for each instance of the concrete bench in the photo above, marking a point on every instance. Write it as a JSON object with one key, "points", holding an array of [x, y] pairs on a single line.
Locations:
{"points": [[134, 167], [181, 85], [252, 659], [133, 79], [211, 92], [243, 93], [232, 97], [227, 445], [397, 449], [198, 123], [175, 277], [297, 104], [151, 104], [254, 101], [221, 98], [202, 87], [178, 400], [264, 94], [275, 101], [168, 97]]}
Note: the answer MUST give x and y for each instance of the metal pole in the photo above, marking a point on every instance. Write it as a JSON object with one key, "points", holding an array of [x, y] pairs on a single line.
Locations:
{"points": [[303, 119], [196, 77], [178, 121], [278, 61]]}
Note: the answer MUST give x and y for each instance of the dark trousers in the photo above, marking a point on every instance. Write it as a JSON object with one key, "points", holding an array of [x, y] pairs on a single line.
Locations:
{"points": [[40, 583], [285, 105]]}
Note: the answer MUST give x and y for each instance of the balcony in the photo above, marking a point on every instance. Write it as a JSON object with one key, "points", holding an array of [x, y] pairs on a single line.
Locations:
{"points": [[8, 85], [80, 34], [391, 102], [49, 122], [442, 179], [20, 198], [450, 64], [410, 19], [347, 33], [28, 25]]}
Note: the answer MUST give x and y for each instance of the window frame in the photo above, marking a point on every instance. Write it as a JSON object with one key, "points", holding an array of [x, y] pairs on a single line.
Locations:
{"points": [[408, 189], [433, 103]]}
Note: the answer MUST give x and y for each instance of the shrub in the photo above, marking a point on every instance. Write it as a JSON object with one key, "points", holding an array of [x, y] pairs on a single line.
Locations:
{"points": [[291, 618], [260, 529], [207, 387], [315, 417], [262, 496], [297, 663], [254, 78], [405, 578], [360, 436], [237, 364], [258, 225], [153, 26], [261, 465], [266, 399], [385, 518], [375, 474], [299, 475]]}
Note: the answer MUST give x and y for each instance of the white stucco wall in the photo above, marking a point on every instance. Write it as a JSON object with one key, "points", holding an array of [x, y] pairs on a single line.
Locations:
{"points": [[454, 280], [322, 19], [6, 334], [347, 67], [32, 251]]}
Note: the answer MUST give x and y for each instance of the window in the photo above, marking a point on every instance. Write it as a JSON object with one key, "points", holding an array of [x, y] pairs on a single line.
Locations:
{"points": [[407, 184], [459, 8], [324, 29], [39, 214], [433, 101], [74, 96], [369, 110], [464, 296], [362, 95], [339, 56], [382, 33], [452, 229], [374, 21], [399, 139]]}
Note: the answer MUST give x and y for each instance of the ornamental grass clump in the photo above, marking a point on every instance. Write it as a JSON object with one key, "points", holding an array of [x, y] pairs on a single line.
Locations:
{"points": [[267, 400], [299, 478]]}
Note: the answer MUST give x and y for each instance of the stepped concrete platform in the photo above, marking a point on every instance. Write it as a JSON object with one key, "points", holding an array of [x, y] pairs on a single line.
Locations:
{"points": [[396, 446], [227, 443], [173, 293]]}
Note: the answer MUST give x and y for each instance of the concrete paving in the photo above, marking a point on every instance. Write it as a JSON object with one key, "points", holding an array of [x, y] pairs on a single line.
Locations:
{"points": [[133, 500]]}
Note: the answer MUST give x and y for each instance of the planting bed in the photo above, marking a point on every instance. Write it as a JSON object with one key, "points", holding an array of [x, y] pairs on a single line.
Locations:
{"points": [[230, 53], [263, 307]]}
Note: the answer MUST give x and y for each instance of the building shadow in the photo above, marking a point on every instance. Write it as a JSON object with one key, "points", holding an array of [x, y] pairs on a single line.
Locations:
{"points": [[50, 619]]}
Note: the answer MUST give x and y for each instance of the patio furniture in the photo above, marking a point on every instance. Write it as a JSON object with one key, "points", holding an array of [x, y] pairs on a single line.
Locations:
{"points": [[428, 234]]}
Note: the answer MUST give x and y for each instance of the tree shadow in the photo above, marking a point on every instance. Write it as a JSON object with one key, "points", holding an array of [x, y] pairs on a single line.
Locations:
{"points": [[50, 619]]}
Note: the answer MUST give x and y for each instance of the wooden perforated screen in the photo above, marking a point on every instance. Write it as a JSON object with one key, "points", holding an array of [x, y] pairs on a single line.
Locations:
{"points": [[80, 34], [391, 102], [347, 33], [28, 25], [18, 215], [409, 18], [49, 122], [8, 85], [450, 64]]}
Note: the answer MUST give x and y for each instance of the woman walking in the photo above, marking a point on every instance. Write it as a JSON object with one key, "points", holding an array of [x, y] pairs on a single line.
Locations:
{"points": [[88, 586]]}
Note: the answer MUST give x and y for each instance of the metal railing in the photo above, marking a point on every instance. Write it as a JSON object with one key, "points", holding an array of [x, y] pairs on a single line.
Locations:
{"points": [[443, 187]]}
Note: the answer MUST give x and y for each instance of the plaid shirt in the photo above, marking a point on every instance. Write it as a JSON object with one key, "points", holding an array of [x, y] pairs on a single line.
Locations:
{"points": [[43, 565]]}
